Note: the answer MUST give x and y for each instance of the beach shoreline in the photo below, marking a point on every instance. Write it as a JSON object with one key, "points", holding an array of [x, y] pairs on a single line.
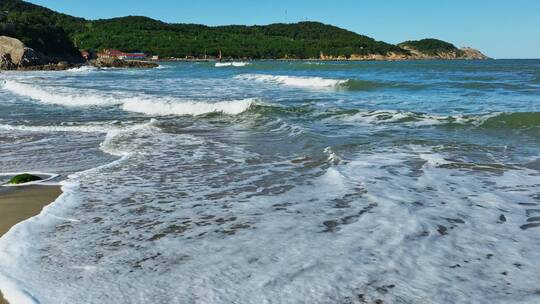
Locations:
{"points": [[18, 204]]}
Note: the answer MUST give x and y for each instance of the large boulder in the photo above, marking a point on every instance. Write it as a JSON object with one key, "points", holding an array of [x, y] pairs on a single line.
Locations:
{"points": [[14, 54], [6, 63]]}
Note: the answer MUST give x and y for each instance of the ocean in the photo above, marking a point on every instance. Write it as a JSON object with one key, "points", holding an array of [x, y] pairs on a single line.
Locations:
{"points": [[278, 182]]}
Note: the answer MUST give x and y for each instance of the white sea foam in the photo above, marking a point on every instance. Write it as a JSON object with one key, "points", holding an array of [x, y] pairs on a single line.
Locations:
{"points": [[60, 95], [399, 199], [178, 107], [293, 81], [239, 212], [82, 69], [141, 103], [86, 128], [231, 64], [110, 143], [379, 117]]}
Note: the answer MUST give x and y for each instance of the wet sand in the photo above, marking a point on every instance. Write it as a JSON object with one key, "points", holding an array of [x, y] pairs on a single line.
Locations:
{"points": [[20, 203]]}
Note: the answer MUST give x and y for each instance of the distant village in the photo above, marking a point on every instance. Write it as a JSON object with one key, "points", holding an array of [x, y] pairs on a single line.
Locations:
{"points": [[117, 54]]}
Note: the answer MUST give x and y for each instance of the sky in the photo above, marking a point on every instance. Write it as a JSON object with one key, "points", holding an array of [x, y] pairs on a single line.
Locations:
{"points": [[499, 28]]}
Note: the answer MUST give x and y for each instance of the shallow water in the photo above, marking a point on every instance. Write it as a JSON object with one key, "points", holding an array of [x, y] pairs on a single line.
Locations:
{"points": [[278, 182]]}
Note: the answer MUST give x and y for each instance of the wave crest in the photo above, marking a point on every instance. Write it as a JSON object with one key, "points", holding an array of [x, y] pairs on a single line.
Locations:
{"points": [[172, 107], [293, 81], [60, 96], [313, 82], [516, 120], [150, 105], [231, 64]]}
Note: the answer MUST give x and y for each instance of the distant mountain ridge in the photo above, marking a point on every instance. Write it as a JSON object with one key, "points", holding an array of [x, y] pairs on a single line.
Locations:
{"points": [[59, 35]]}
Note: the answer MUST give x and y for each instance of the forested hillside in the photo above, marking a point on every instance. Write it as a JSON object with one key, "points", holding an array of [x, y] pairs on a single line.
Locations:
{"points": [[300, 40], [430, 46], [30, 22], [56, 34]]}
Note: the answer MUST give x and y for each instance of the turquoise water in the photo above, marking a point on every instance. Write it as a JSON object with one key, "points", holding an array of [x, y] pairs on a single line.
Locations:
{"points": [[278, 182]]}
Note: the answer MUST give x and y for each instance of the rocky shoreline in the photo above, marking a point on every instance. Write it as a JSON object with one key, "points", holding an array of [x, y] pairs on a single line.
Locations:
{"points": [[16, 56], [118, 63]]}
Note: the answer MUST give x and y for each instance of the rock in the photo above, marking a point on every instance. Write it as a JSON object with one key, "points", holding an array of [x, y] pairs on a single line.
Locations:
{"points": [[470, 53], [118, 63], [63, 64], [14, 51], [24, 178], [14, 55], [6, 63], [12, 47]]}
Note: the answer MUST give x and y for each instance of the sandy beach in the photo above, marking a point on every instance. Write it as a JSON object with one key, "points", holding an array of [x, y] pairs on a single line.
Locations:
{"points": [[20, 203]]}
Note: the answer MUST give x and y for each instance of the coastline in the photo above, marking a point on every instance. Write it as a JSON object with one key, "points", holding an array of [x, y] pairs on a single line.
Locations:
{"points": [[134, 64], [21, 203], [318, 59]]}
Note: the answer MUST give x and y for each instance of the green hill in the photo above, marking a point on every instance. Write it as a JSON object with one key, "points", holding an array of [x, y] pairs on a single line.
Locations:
{"points": [[39, 28], [30, 22], [300, 40], [431, 47], [61, 35]]}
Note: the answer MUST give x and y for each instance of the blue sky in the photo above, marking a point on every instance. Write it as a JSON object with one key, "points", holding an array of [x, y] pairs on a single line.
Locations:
{"points": [[500, 28]]}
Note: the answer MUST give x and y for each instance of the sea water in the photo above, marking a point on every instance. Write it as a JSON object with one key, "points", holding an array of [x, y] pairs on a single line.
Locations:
{"points": [[278, 182]]}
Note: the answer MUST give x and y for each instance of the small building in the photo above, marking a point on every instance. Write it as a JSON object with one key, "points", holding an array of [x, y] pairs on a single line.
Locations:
{"points": [[156, 58], [112, 53], [132, 56]]}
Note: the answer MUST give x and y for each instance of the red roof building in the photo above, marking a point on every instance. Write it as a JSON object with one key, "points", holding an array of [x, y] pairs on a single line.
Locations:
{"points": [[120, 55]]}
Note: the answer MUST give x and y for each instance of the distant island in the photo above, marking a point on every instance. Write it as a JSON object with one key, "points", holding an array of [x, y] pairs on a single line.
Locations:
{"points": [[55, 37]]}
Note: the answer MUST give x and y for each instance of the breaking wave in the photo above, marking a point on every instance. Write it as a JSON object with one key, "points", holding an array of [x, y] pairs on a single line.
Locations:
{"points": [[82, 69], [175, 107], [517, 120], [146, 104], [313, 82], [293, 81], [231, 64], [89, 128], [521, 120], [60, 96]]}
